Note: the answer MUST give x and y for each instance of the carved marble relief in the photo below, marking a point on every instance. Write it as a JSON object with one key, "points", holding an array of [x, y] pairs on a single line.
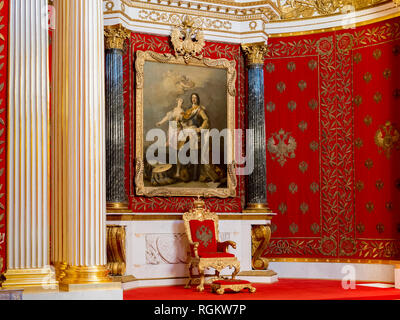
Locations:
{"points": [[170, 248]]}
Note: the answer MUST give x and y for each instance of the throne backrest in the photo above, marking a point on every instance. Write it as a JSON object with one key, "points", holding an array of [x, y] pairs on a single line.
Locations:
{"points": [[201, 226]]}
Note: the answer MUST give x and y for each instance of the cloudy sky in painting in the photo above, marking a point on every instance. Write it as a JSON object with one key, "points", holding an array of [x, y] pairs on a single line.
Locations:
{"points": [[164, 83]]}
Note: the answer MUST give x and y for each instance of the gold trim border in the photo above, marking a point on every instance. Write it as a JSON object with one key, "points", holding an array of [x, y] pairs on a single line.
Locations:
{"points": [[332, 29], [222, 5], [175, 217], [331, 260]]}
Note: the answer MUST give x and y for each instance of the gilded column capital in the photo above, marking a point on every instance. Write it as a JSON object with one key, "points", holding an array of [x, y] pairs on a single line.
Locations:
{"points": [[255, 52], [115, 36]]}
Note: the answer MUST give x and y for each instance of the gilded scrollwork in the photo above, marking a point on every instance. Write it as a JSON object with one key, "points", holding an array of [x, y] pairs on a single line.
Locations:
{"points": [[220, 288], [116, 251], [179, 19], [260, 237], [294, 9]]}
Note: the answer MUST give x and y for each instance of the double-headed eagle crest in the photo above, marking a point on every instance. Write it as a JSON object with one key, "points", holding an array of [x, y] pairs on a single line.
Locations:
{"points": [[205, 235], [188, 40], [387, 138], [282, 146]]}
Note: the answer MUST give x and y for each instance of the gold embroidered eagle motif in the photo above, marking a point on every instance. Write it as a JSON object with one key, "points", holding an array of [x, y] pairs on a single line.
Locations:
{"points": [[387, 138], [282, 146], [205, 235]]}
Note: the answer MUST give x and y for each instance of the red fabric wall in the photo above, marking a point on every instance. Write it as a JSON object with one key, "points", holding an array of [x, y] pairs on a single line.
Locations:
{"points": [[3, 131], [161, 44], [336, 192]]}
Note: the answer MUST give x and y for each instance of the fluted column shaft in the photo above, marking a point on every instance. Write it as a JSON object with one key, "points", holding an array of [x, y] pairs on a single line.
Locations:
{"points": [[257, 180], [257, 187], [28, 259], [115, 134], [78, 126]]}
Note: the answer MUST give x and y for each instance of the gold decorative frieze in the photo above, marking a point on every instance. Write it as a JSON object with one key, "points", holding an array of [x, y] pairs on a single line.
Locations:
{"points": [[174, 18], [115, 36], [255, 52], [274, 10], [309, 8]]}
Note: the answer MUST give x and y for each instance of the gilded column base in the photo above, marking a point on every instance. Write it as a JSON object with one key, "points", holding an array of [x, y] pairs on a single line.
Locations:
{"points": [[257, 208], [60, 270], [44, 278], [118, 207], [84, 275]]}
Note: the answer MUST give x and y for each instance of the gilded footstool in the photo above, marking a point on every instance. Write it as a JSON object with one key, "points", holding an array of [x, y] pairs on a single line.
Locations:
{"points": [[219, 286]]}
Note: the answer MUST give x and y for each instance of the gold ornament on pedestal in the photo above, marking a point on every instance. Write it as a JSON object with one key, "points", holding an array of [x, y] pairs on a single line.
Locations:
{"points": [[116, 251], [260, 237]]}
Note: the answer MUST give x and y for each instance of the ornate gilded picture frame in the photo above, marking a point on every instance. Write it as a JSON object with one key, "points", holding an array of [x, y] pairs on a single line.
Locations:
{"points": [[195, 93]]}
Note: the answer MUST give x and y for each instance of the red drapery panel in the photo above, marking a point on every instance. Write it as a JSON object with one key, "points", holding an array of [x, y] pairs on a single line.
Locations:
{"points": [[333, 151], [3, 130]]}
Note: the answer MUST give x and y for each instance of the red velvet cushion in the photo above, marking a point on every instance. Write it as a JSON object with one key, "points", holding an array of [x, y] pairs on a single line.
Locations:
{"points": [[216, 255], [230, 282], [204, 233]]}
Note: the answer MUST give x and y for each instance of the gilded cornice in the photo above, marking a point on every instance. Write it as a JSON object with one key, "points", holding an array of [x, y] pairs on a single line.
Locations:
{"points": [[275, 10], [245, 22]]}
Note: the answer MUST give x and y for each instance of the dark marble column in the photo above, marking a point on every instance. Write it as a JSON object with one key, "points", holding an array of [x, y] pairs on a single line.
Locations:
{"points": [[257, 180], [115, 133]]}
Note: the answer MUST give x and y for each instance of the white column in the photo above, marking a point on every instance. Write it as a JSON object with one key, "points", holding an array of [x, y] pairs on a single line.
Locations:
{"points": [[78, 126], [28, 147]]}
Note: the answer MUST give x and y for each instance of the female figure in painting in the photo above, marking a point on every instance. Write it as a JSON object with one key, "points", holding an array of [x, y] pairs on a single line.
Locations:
{"points": [[174, 118]]}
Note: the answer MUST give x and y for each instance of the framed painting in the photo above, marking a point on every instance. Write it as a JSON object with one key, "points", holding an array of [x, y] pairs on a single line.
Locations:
{"points": [[185, 121]]}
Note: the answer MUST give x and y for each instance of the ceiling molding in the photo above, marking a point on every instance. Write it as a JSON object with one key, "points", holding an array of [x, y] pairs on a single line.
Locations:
{"points": [[245, 22]]}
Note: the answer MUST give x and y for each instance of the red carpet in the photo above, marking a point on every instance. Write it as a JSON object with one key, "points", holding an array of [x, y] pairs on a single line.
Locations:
{"points": [[284, 289]]}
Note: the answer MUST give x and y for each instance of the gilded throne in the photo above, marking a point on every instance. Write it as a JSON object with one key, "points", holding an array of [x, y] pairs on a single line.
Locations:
{"points": [[206, 251]]}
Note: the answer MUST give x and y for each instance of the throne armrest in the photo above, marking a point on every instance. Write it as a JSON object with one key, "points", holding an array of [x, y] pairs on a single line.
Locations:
{"points": [[194, 249], [223, 246]]}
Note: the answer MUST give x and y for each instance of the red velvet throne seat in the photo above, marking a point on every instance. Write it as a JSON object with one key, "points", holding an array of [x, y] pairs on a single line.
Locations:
{"points": [[206, 251]]}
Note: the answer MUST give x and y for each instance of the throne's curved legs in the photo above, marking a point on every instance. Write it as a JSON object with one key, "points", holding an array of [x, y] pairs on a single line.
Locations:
{"points": [[200, 287], [188, 284]]}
